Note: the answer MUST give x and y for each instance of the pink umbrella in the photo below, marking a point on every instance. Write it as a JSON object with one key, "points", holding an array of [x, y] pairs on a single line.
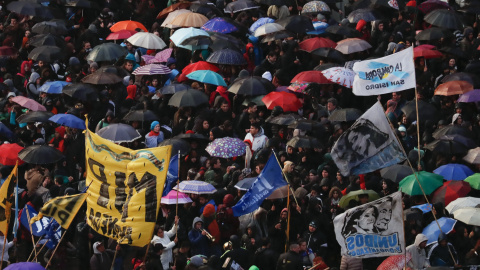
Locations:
{"points": [[28, 103], [152, 69], [396, 262], [171, 198], [164, 55]]}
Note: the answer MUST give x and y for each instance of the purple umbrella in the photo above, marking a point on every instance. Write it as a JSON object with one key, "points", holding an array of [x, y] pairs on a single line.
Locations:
{"points": [[472, 96], [219, 25], [226, 147], [152, 69], [25, 266]]}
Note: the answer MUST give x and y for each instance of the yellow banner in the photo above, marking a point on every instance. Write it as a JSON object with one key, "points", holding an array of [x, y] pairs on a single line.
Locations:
{"points": [[126, 189], [62, 209], [7, 199]]}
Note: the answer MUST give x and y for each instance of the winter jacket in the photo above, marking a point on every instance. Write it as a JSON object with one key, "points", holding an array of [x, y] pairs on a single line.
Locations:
{"points": [[258, 141], [419, 258], [199, 241], [167, 255]]}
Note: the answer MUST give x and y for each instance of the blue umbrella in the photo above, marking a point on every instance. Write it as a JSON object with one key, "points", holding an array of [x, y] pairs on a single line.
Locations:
{"points": [[454, 171], [219, 25], [195, 187], [427, 207], [319, 28], [68, 120], [4, 130], [227, 57], [432, 231], [207, 76], [53, 87], [260, 22]]}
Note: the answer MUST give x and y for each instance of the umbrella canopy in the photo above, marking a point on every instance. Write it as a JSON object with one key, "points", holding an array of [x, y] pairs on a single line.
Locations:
{"points": [[40, 154], [470, 215], [310, 76], [28, 103], [329, 54], [80, 91], [200, 65], [453, 88], [127, 25], [119, 133], [152, 69], [68, 120], [102, 76], [174, 197], [46, 53], [279, 193], [471, 96], [340, 75], [463, 76], [432, 231], [453, 130], [353, 195], [25, 266], [450, 191], [444, 18], [8, 51], [284, 119], [160, 56], [50, 27], [181, 5], [172, 16], [352, 45], [9, 155], [46, 40], [141, 116], [345, 115], [268, 28], [342, 30], [30, 8], [304, 142], [34, 116], [210, 11], [195, 187], [297, 24], [184, 33], [258, 23], [425, 208], [431, 5], [245, 184], [174, 88], [122, 34], [429, 182], [366, 14], [177, 145], [312, 44], [320, 28], [54, 87], [239, 6], [460, 203], [288, 101], [147, 41], [188, 98], [447, 144], [207, 76], [433, 33], [277, 36], [256, 99], [6, 132], [226, 147], [426, 111], [251, 86], [396, 172], [473, 156], [189, 20], [106, 52], [227, 57], [474, 181], [453, 171], [315, 7], [396, 262], [426, 53]]}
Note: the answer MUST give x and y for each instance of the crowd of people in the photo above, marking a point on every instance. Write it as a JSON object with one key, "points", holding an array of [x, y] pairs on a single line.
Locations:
{"points": [[205, 234]]}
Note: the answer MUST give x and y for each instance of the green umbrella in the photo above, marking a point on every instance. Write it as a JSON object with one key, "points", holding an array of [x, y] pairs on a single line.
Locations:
{"points": [[429, 181], [345, 200], [474, 181]]}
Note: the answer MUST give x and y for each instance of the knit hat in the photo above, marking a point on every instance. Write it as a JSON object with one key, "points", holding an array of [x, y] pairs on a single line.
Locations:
{"points": [[154, 123], [73, 61], [209, 210]]}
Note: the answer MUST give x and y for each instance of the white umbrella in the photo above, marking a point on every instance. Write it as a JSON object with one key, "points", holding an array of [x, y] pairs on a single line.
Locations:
{"points": [[340, 75], [470, 216], [473, 156], [147, 41], [460, 203], [352, 45], [173, 15], [268, 28], [182, 34]]}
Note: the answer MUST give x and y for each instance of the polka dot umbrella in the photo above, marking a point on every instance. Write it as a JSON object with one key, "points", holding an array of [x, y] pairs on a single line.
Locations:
{"points": [[226, 147]]}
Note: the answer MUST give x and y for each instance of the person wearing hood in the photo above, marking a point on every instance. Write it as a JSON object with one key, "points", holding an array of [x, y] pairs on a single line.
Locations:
{"points": [[467, 42], [105, 121], [130, 63], [163, 238], [256, 137], [362, 28], [249, 56], [265, 257], [102, 257], [33, 85], [440, 253], [227, 222], [155, 136], [417, 250], [198, 238], [20, 79], [58, 141]]}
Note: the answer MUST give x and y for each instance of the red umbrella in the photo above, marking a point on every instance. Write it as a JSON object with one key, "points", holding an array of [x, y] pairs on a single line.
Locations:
{"points": [[423, 51], [431, 5], [7, 51], [122, 34], [9, 156], [200, 65], [312, 44], [450, 191], [396, 262], [288, 101], [311, 76]]}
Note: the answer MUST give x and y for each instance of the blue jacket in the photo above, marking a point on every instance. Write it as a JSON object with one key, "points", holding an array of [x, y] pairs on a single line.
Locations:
{"points": [[199, 241]]}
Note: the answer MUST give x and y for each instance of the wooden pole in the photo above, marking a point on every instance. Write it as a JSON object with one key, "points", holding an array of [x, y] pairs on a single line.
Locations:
{"points": [[55, 250], [31, 234], [41, 248], [285, 176], [114, 257], [288, 220], [178, 187], [3, 251]]}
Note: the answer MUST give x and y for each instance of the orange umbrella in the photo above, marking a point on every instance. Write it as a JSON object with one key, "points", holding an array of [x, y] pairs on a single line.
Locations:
{"points": [[166, 11], [127, 25], [453, 88], [189, 20], [288, 101]]}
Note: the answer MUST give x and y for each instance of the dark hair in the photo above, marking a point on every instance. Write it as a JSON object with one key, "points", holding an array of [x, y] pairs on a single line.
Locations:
{"points": [[251, 104], [255, 125]]}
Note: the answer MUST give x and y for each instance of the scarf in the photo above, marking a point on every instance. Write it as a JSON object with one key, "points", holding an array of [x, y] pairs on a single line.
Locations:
{"points": [[153, 133]]}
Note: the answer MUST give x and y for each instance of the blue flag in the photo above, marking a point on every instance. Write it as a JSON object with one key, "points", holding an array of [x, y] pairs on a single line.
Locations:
{"points": [[39, 227], [269, 179], [53, 234], [172, 175]]}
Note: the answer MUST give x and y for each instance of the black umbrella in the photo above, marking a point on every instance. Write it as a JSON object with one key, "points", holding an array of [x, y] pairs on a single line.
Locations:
{"points": [[463, 76], [329, 54], [452, 130], [297, 24], [343, 31], [468, 142], [473, 67], [239, 6], [444, 18], [46, 54], [188, 98], [224, 41], [106, 52], [456, 52], [345, 115], [278, 3], [304, 142], [174, 88], [140, 115], [227, 57], [121, 72], [102, 77], [46, 39], [387, 4], [426, 111], [284, 119], [119, 133], [177, 144], [251, 86], [191, 136], [34, 116], [323, 67], [305, 124], [447, 145], [210, 11], [396, 172], [50, 27], [81, 4], [434, 33], [277, 35], [413, 214], [197, 41], [40, 154], [30, 8], [471, 8], [365, 14], [80, 91]]}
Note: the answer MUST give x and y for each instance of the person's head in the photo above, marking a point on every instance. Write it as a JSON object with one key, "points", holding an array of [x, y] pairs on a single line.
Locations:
{"points": [[216, 163], [295, 248], [128, 66], [331, 104], [160, 231], [452, 62], [324, 173], [155, 126], [203, 199], [252, 107], [312, 227], [363, 198], [198, 225], [396, 96], [254, 128], [421, 241], [442, 239], [129, 45], [284, 214], [302, 243], [87, 46], [205, 125], [98, 246], [272, 57], [225, 107]]}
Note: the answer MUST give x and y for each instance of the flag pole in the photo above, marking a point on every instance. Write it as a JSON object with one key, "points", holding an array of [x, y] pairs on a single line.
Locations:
{"points": [[285, 176], [15, 224], [178, 187], [31, 234], [41, 248], [3, 250], [55, 250], [288, 219], [416, 111]]}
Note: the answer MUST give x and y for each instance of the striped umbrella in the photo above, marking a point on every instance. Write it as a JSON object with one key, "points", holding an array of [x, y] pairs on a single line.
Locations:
{"points": [[462, 203], [227, 57], [195, 187], [152, 69]]}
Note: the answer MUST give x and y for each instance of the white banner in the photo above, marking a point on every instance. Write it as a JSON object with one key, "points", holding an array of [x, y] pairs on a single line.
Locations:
{"points": [[388, 74], [374, 229]]}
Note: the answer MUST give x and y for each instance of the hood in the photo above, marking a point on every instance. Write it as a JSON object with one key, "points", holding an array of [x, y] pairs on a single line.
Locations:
{"points": [[61, 131], [22, 67], [249, 45], [209, 210], [360, 25], [34, 77], [228, 200], [95, 245], [253, 267], [442, 236], [195, 220], [260, 132], [130, 57], [132, 91], [454, 117], [221, 90], [419, 239], [468, 30]]}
